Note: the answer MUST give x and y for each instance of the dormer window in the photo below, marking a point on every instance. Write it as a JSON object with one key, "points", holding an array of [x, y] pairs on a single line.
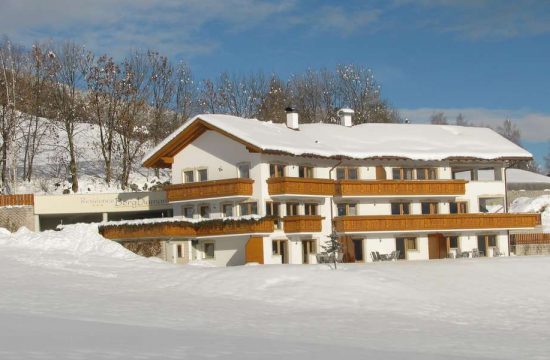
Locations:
{"points": [[244, 170]]}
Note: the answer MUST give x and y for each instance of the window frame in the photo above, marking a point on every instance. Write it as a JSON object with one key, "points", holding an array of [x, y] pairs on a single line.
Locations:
{"points": [[306, 172], [347, 209], [429, 173], [184, 211], [450, 240], [201, 170], [231, 206], [460, 205], [311, 206], [433, 207], [346, 172], [273, 207], [279, 170], [401, 207], [249, 206], [202, 206], [184, 177], [292, 206], [205, 253], [239, 172]]}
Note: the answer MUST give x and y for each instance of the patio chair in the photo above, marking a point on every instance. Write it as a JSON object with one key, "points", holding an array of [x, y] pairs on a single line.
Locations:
{"points": [[497, 252], [397, 253], [381, 257], [475, 253], [374, 256]]}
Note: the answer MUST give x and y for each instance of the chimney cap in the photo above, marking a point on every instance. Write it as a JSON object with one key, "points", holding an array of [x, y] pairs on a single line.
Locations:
{"points": [[345, 111], [290, 109]]}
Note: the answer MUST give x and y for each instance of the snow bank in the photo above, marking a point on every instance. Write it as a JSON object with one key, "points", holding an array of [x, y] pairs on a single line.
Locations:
{"points": [[76, 240], [539, 204]]}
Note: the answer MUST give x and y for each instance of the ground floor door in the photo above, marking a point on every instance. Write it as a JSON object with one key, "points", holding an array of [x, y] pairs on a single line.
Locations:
{"points": [[358, 250], [400, 246], [482, 245], [437, 246], [308, 247], [280, 247]]}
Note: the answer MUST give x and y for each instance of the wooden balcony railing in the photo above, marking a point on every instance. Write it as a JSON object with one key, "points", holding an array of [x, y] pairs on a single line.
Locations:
{"points": [[300, 186], [400, 187], [435, 222], [183, 229], [209, 189], [302, 224], [17, 200]]}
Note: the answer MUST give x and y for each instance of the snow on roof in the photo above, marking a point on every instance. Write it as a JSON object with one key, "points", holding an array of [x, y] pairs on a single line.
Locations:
{"points": [[412, 141], [519, 176]]}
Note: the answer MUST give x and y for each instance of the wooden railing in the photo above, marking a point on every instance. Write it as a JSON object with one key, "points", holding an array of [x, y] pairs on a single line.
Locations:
{"points": [[209, 189], [17, 200], [400, 187], [535, 238], [302, 224], [435, 222], [300, 186], [182, 229]]}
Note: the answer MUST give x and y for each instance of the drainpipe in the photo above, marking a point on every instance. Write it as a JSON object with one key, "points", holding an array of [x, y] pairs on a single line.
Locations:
{"points": [[333, 230], [506, 199]]}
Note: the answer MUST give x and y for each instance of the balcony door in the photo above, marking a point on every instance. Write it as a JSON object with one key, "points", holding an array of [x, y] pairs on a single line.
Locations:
{"points": [[437, 246]]}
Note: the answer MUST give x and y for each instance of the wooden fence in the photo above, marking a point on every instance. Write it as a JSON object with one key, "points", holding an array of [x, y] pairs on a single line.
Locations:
{"points": [[17, 200], [534, 238]]}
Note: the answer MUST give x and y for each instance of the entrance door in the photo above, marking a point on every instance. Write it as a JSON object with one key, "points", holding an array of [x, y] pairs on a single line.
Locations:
{"points": [[307, 249], [437, 246], [400, 246], [482, 245], [358, 249]]}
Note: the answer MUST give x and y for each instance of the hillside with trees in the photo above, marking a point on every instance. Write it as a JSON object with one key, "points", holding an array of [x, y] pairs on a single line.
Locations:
{"points": [[52, 94]]}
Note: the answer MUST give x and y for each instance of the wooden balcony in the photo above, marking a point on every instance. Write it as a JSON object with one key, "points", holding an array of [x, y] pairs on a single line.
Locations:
{"points": [[302, 224], [209, 189], [350, 224], [184, 229], [400, 187], [300, 186]]}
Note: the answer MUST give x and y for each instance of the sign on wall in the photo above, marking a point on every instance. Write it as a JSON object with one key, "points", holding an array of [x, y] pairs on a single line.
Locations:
{"points": [[99, 203]]}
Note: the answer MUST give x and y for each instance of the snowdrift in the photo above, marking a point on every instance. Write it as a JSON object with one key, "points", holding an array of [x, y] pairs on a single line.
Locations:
{"points": [[76, 240], [539, 204]]}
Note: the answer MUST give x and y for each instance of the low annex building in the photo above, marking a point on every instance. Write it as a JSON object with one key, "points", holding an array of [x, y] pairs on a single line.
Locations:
{"points": [[244, 190]]}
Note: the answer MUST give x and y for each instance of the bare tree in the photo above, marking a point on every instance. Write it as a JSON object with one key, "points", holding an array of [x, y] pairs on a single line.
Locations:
{"points": [[275, 101], [438, 118], [131, 124], [12, 62], [510, 131], [70, 63], [104, 102], [186, 100]]}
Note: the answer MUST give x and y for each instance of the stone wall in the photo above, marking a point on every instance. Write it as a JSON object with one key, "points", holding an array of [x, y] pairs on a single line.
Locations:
{"points": [[14, 217]]}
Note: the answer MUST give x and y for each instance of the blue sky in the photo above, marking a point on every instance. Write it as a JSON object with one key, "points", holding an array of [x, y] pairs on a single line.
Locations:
{"points": [[488, 59]]}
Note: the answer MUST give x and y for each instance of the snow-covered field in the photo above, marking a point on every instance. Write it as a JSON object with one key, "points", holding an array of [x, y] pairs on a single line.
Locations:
{"points": [[74, 295]]}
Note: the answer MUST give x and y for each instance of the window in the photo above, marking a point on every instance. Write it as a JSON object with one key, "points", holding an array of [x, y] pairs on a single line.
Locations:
{"points": [[277, 247], [429, 208], [310, 209], [410, 243], [400, 208], [467, 175], [347, 173], [244, 170], [491, 205], [347, 209], [491, 240], [209, 250], [188, 176], [189, 212], [458, 207], [248, 208], [272, 208], [453, 242], [305, 172], [291, 209], [426, 174], [227, 210], [180, 250], [203, 175], [204, 211], [402, 173], [276, 170]]}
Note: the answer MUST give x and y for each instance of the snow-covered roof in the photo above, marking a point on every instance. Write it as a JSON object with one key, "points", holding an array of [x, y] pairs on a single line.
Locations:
{"points": [[518, 176], [411, 141]]}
